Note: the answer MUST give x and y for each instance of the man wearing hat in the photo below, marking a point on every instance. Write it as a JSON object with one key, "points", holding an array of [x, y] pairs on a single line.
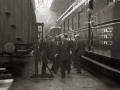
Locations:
{"points": [[53, 51], [45, 53], [64, 48], [79, 51]]}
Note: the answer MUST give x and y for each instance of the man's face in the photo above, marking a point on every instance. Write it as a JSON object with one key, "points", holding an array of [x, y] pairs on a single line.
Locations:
{"points": [[76, 38], [56, 38], [47, 38], [62, 38]]}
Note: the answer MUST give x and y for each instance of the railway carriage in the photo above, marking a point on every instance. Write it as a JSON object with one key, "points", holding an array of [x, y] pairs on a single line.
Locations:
{"points": [[53, 31], [98, 23], [17, 32]]}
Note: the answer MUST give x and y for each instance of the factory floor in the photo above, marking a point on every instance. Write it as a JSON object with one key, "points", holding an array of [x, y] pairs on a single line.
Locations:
{"points": [[74, 81]]}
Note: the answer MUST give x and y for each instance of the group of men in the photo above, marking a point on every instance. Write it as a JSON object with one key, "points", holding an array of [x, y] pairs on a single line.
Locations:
{"points": [[62, 51]]}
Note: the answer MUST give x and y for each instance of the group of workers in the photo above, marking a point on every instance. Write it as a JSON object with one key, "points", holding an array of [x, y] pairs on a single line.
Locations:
{"points": [[62, 51]]}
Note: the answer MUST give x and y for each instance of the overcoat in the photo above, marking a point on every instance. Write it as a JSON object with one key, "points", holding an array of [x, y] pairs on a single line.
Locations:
{"points": [[64, 50]]}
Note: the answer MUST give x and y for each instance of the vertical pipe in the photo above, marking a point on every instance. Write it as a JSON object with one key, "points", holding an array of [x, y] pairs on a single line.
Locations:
{"points": [[64, 26], [68, 25], [89, 33], [90, 28], [2, 27], [42, 36]]}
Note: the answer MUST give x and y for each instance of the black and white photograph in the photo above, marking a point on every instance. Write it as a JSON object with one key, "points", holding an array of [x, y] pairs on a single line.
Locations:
{"points": [[59, 45]]}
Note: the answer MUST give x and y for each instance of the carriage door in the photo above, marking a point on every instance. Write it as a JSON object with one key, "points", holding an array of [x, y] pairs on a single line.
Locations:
{"points": [[90, 25]]}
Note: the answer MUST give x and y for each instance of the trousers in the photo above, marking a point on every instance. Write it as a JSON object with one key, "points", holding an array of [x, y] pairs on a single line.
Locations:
{"points": [[65, 65], [54, 66], [44, 64], [78, 62]]}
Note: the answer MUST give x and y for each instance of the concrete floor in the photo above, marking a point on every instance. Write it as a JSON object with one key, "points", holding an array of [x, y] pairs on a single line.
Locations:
{"points": [[74, 81]]}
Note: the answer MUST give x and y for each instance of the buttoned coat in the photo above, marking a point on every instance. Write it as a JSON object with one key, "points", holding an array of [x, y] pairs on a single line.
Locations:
{"points": [[64, 50], [53, 48], [45, 47], [79, 48]]}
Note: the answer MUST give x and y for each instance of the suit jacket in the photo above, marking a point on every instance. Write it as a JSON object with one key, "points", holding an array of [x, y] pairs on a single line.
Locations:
{"points": [[53, 48], [45, 47], [64, 50], [73, 45], [79, 48]]}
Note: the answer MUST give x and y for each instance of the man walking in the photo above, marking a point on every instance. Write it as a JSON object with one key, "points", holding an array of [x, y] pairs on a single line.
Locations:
{"points": [[79, 51], [45, 53], [53, 52], [64, 53]]}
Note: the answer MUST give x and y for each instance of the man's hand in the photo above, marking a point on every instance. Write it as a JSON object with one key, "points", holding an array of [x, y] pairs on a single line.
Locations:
{"points": [[56, 55], [70, 52]]}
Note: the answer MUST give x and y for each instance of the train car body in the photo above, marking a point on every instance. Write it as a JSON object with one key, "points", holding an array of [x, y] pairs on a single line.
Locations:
{"points": [[16, 26], [53, 31], [98, 23], [16, 22], [106, 29]]}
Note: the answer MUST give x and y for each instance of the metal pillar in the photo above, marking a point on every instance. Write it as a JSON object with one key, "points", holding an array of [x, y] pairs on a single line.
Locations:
{"points": [[36, 75], [36, 46]]}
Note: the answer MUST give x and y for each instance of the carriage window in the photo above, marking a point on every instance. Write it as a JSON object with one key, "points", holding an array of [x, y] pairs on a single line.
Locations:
{"points": [[64, 26], [78, 20], [68, 24], [72, 23], [91, 4]]}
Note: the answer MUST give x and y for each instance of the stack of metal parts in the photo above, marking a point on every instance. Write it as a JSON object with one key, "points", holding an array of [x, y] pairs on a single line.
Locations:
{"points": [[5, 79]]}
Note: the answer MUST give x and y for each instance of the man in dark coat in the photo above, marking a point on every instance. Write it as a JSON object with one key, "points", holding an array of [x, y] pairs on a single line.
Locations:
{"points": [[58, 57], [79, 51], [45, 53], [64, 53], [73, 41], [53, 52]]}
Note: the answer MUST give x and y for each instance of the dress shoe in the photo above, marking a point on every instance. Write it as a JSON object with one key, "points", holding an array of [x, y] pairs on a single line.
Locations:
{"points": [[79, 72], [68, 72], [62, 77], [55, 72]]}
